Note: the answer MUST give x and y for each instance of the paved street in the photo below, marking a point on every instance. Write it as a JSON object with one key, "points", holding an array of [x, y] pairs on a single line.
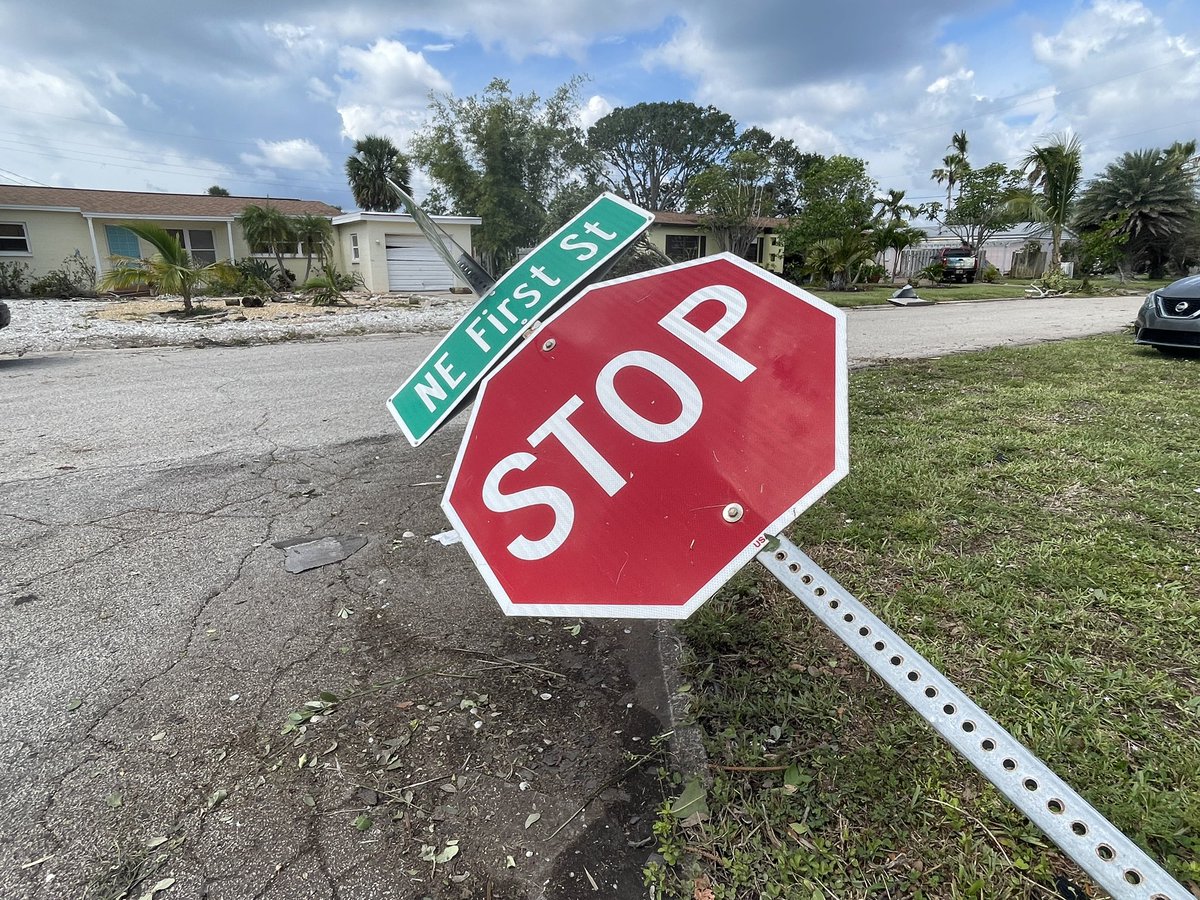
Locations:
{"points": [[153, 645]]}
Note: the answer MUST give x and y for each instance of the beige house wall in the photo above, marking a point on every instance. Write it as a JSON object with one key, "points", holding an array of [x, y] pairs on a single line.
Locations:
{"points": [[772, 250], [372, 230], [53, 236]]}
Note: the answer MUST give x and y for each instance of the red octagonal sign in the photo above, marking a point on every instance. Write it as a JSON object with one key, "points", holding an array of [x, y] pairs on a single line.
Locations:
{"points": [[635, 453]]}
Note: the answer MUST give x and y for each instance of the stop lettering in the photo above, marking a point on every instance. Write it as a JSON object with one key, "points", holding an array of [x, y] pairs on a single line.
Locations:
{"points": [[632, 455]]}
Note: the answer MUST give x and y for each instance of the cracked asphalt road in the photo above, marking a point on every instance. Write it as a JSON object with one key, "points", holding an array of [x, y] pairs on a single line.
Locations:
{"points": [[152, 644]]}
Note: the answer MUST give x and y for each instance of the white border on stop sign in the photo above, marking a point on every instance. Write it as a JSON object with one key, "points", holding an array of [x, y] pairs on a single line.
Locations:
{"points": [[647, 611]]}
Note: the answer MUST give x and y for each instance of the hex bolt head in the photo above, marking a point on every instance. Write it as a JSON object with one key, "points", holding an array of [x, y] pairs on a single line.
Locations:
{"points": [[549, 345], [733, 512]]}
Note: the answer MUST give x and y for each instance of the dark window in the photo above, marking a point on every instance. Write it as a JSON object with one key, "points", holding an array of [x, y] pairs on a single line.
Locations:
{"points": [[682, 247], [14, 238], [198, 242], [122, 242], [754, 251]]}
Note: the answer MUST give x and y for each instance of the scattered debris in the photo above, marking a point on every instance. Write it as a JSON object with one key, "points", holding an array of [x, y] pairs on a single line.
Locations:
{"points": [[446, 538], [907, 296], [302, 554]]}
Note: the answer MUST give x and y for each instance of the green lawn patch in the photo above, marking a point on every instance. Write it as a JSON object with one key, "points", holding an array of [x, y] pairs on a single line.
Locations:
{"points": [[1029, 520]]}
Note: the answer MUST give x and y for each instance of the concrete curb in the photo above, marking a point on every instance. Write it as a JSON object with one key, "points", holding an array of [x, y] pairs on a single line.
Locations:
{"points": [[688, 756]]}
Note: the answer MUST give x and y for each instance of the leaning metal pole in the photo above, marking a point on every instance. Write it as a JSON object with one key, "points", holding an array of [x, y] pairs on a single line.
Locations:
{"points": [[1114, 861]]}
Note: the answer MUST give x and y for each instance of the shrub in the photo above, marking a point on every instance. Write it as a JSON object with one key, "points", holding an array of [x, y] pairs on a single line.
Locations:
{"points": [[248, 277], [326, 289], [990, 273], [871, 272], [934, 272], [12, 278], [1054, 281], [75, 278]]}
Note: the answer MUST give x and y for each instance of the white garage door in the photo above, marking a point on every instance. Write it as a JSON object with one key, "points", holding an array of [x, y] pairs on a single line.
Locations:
{"points": [[413, 265]]}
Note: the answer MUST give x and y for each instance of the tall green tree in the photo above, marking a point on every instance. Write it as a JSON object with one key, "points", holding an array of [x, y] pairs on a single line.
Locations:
{"points": [[376, 159], [788, 169], [987, 203], [505, 157], [652, 150], [1055, 172], [170, 270], [732, 199], [836, 199], [1156, 192], [269, 230], [217, 191]]}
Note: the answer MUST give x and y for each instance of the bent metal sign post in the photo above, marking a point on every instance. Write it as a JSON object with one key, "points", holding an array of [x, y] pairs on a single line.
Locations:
{"points": [[657, 434], [564, 262]]}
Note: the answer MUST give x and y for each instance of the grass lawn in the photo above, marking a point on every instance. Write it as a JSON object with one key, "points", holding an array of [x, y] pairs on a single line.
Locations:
{"points": [[1029, 519], [876, 294]]}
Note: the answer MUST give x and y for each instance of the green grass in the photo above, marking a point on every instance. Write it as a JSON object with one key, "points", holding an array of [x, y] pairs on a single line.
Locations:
{"points": [[878, 294], [1029, 520]]}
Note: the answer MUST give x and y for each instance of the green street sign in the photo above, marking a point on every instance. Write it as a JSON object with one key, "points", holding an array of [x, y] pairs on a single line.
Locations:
{"points": [[556, 269]]}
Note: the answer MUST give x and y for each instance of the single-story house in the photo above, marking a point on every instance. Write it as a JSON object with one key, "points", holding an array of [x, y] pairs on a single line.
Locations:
{"points": [[682, 236], [1006, 250], [43, 226]]}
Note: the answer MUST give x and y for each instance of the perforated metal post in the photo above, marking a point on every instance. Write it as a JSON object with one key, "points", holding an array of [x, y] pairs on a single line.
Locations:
{"points": [[1108, 856]]}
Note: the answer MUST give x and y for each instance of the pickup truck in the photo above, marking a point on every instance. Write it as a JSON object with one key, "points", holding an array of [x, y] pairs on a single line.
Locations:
{"points": [[958, 264]]}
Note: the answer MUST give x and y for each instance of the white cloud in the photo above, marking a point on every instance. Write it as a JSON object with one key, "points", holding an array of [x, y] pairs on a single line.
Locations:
{"points": [[298, 153], [1122, 79], [385, 89], [944, 83], [318, 90], [594, 109]]}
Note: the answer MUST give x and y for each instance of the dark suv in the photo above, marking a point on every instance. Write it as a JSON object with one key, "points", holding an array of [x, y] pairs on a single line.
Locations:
{"points": [[1170, 317]]}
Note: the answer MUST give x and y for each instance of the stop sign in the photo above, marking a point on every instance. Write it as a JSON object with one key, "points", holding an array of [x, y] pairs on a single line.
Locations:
{"points": [[635, 453]]}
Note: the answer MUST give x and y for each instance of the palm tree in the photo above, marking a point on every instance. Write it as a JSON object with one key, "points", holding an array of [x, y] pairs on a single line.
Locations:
{"points": [[893, 208], [315, 235], [1055, 172], [838, 259], [375, 160], [268, 230], [1155, 190], [897, 236], [954, 165], [171, 270]]}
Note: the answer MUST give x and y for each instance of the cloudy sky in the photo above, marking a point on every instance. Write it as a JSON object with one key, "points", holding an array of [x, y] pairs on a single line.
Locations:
{"points": [[267, 97]]}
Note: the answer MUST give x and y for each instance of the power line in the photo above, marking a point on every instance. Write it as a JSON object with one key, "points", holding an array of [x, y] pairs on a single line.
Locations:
{"points": [[123, 127], [23, 177], [169, 169]]}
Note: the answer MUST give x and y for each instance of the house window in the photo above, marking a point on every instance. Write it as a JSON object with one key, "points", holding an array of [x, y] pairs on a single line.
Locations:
{"points": [[122, 242], [353, 247], [198, 242], [754, 251], [682, 247], [14, 238]]}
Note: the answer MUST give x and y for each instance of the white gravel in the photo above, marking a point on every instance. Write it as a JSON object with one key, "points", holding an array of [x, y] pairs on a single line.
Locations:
{"points": [[41, 325]]}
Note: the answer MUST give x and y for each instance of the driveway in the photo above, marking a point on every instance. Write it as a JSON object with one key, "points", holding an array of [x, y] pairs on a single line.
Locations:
{"points": [[154, 646]]}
